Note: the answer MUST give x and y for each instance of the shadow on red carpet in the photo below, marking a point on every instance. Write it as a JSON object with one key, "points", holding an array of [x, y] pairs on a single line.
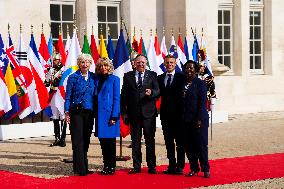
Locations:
{"points": [[223, 171]]}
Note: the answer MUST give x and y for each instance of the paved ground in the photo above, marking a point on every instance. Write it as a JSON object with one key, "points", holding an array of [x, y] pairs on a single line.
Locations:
{"points": [[243, 135]]}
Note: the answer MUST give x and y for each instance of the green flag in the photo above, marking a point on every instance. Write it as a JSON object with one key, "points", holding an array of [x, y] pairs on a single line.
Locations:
{"points": [[128, 45], [86, 47]]}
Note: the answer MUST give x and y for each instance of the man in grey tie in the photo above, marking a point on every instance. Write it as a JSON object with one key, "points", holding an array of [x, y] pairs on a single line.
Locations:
{"points": [[170, 84]]}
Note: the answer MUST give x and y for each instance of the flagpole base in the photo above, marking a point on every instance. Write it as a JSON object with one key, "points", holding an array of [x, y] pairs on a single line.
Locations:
{"points": [[122, 158]]}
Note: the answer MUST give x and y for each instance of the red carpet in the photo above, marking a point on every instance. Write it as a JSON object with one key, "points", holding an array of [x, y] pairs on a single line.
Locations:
{"points": [[223, 171]]}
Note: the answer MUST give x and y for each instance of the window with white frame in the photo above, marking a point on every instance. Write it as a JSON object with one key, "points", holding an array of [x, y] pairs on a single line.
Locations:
{"points": [[256, 38], [109, 19], [225, 36], [62, 15]]}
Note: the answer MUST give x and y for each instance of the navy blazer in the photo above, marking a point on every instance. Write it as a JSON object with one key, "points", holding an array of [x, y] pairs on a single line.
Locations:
{"points": [[79, 90], [194, 101], [171, 103]]}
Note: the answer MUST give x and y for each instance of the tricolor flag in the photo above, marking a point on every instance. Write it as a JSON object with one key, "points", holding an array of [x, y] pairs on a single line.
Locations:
{"points": [[20, 81], [86, 50], [69, 68], [153, 59], [121, 65], [5, 103], [41, 100], [180, 51], [10, 83], [110, 50], [102, 48], [142, 50], [173, 51], [121, 61], [187, 51], [94, 49]]}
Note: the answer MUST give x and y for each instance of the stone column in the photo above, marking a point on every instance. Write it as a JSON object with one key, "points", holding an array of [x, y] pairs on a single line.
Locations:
{"points": [[241, 37], [86, 16]]}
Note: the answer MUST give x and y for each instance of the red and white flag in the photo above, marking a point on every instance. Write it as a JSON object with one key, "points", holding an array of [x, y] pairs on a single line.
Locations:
{"points": [[61, 49], [153, 59], [40, 97], [44, 55], [164, 50]]}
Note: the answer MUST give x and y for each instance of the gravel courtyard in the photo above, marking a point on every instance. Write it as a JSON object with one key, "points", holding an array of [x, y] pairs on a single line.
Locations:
{"points": [[242, 135]]}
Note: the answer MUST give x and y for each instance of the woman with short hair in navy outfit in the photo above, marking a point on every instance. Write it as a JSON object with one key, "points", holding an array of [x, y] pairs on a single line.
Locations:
{"points": [[196, 120], [107, 113], [78, 107]]}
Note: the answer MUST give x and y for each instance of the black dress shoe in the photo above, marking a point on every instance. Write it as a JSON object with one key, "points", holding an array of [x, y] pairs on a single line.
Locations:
{"points": [[80, 174], [134, 171], [61, 143], [192, 173], [70, 160], [179, 171], [152, 171], [104, 171], [111, 170], [170, 171], [90, 172], [207, 174], [55, 143]]}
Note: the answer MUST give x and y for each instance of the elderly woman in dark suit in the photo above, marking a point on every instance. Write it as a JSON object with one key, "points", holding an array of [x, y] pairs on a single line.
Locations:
{"points": [[196, 120], [107, 113], [78, 107]]}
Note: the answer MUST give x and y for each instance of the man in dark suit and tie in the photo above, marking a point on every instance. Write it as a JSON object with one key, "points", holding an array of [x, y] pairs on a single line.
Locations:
{"points": [[138, 96], [170, 84]]}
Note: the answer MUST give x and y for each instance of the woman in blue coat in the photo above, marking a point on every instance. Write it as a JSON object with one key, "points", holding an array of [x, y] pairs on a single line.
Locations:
{"points": [[107, 113]]}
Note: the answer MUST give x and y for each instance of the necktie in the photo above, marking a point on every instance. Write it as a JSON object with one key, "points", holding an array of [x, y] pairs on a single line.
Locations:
{"points": [[169, 80], [139, 84]]}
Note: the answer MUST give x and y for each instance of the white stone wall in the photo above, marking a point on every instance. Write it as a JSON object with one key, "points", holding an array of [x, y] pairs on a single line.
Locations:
{"points": [[16, 12]]}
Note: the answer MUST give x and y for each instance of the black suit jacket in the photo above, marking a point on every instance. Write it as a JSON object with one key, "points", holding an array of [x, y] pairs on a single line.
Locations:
{"points": [[171, 101], [134, 102]]}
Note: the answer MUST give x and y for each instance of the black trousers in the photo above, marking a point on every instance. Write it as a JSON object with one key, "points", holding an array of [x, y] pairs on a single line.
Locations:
{"points": [[57, 128], [81, 125], [173, 136], [196, 145], [108, 146], [149, 129]]}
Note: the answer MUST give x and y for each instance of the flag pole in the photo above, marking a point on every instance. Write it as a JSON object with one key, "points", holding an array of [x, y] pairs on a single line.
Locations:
{"points": [[211, 119], [121, 157]]}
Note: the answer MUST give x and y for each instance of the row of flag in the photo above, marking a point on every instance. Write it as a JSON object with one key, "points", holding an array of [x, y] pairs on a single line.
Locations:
{"points": [[23, 72]]}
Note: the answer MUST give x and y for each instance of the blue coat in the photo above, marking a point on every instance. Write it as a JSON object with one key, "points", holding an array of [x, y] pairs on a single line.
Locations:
{"points": [[77, 92], [108, 107]]}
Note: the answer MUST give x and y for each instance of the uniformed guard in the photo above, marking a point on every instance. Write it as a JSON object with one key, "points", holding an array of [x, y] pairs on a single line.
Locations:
{"points": [[205, 75], [53, 77]]}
